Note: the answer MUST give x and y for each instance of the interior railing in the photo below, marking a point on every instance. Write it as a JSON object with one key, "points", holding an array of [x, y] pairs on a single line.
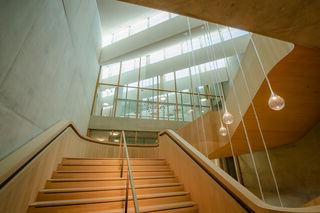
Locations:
{"points": [[123, 149], [244, 197]]}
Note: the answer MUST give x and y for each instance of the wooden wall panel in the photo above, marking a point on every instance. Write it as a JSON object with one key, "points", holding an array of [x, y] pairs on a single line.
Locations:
{"points": [[22, 190], [208, 195], [296, 79]]}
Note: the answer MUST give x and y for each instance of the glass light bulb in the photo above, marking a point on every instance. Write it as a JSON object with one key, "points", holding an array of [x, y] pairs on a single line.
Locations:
{"points": [[227, 117], [223, 131], [276, 102]]}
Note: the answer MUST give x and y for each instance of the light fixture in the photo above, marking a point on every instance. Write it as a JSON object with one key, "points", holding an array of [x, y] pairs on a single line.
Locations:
{"points": [[223, 131], [115, 133], [227, 117], [116, 140], [162, 98], [203, 99], [276, 102], [191, 110], [105, 104]]}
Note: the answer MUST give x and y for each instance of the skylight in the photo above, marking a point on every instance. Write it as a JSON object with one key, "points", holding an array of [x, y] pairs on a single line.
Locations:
{"points": [[137, 27], [170, 52]]}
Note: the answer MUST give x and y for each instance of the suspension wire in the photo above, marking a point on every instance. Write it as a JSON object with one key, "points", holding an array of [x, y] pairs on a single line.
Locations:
{"points": [[260, 62], [192, 90], [257, 118], [209, 40], [241, 115], [196, 68]]}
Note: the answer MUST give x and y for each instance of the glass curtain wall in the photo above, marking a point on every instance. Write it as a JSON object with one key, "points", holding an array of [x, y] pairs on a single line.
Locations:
{"points": [[146, 88], [133, 94]]}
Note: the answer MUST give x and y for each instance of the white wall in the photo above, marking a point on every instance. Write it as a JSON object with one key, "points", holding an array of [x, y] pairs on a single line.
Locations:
{"points": [[49, 53]]}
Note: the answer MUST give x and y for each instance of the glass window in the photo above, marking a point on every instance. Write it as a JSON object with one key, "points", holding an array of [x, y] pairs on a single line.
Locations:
{"points": [[225, 34], [220, 63], [156, 56], [107, 92], [159, 18], [168, 76], [110, 73], [150, 82], [105, 98], [148, 104], [139, 26], [185, 47], [123, 33], [214, 37], [182, 73], [196, 44], [237, 32], [106, 40], [128, 66], [173, 51]]}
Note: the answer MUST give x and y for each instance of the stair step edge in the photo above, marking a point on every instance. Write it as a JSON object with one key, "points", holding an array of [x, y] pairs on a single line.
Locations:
{"points": [[106, 179], [160, 159], [110, 171], [153, 208], [103, 199], [108, 188]]}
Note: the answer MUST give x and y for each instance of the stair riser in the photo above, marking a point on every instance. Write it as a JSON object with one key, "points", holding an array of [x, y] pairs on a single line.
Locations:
{"points": [[108, 174], [114, 162], [96, 194], [180, 210], [110, 168], [79, 184], [109, 205]]}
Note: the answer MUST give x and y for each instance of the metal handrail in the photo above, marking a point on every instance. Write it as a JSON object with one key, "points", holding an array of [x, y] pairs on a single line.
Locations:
{"points": [[123, 149]]}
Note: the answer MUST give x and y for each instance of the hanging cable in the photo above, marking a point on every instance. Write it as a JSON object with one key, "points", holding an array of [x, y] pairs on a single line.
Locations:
{"points": [[209, 43], [190, 73], [192, 91], [241, 115], [256, 116], [275, 101]]}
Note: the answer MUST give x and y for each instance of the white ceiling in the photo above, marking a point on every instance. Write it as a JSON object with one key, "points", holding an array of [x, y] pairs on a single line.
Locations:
{"points": [[115, 14]]}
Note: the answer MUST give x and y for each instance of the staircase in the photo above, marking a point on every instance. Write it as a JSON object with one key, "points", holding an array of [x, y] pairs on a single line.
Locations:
{"points": [[94, 185]]}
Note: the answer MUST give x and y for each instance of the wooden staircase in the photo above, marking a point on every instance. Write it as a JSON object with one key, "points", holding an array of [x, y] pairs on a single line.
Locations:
{"points": [[94, 185]]}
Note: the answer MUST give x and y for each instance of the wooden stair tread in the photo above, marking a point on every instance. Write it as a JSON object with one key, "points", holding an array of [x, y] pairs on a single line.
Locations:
{"points": [[154, 208], [114, 164], [94, 185], [106, 179], [103, 199], [110, 171], [131, 159], [107, 188]]}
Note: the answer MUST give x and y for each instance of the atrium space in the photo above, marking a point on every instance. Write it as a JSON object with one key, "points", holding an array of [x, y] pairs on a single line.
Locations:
{"points": [[159, 105]]}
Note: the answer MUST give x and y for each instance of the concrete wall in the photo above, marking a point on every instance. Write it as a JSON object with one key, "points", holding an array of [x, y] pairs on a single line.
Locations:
{"points": [[49, 52], [296, 166]]}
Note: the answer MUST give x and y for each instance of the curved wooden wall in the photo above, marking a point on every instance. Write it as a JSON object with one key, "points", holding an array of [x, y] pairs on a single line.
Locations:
{"points": [[296, 78], [27, 174]]}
